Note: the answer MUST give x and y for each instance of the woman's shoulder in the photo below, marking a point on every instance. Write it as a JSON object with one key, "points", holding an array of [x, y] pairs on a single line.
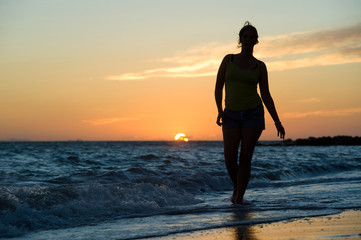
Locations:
{"points": [[260, 62], [228, 57], [262, 65]]}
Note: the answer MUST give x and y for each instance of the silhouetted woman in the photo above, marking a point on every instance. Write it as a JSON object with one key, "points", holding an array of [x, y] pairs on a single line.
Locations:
{"points": [[242, 120]]}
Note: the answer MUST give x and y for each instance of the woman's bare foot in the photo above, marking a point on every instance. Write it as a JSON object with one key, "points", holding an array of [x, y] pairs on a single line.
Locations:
{"points": [[233, 199], [238, 200]]}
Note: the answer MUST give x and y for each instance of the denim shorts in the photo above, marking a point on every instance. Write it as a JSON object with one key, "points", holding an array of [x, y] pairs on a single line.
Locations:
{"points": [[253, 118]]}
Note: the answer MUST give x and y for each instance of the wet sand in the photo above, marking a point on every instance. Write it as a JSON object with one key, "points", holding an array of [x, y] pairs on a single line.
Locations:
{"points": [[346, 225]]}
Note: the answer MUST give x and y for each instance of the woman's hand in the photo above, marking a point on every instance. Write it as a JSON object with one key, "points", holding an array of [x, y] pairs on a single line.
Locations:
{"points": [[280, 130], [220, 119]]}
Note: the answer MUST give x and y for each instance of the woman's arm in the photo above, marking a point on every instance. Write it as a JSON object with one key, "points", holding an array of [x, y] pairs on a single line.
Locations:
{"points": [[268, 101], [218, 92]]}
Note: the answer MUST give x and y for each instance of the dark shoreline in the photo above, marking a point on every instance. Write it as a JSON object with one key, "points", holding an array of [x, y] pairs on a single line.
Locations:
{"points": [[320, 141]]}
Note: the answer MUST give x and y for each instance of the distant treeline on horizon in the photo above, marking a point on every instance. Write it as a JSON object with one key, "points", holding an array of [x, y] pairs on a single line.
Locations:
{"points": [[323, 141]]}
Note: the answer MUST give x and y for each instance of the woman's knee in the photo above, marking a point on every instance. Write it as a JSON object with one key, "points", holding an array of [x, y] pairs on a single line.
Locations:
{"points": [[246, 155], [245, 161], [231, 158]]}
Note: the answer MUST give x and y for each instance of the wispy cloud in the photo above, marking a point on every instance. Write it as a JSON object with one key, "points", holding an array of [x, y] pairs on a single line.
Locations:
{"points": [[314, 48], [200, 61], [106, 121], [127, 76], [312, 41], [309, 100], [295, 50], [323, 113], [320, 58]]}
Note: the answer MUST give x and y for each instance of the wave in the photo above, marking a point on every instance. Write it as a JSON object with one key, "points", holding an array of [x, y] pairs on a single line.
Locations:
{"points": [[37, 208], [280, 170], [135, 192], [86, 183]]}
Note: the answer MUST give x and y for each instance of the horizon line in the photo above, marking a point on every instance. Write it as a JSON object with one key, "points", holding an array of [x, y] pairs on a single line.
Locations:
{"points": [[198, 140]]}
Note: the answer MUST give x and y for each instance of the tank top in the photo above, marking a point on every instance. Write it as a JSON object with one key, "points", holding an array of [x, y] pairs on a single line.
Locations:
{"points": [[241, 88]]}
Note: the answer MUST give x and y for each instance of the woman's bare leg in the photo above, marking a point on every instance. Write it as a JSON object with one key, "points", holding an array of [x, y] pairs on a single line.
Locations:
{"points": [[231, 141], [249, 138]]}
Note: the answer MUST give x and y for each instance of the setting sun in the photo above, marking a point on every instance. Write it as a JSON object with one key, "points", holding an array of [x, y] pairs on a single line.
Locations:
{"points": [[181, 137]]}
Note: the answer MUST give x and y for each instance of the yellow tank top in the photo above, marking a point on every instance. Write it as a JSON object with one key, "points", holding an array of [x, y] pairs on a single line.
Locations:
{"points": [[241, 88]]}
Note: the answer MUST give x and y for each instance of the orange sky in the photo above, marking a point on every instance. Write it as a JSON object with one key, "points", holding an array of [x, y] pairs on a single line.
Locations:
{"points": [[72, 71]]}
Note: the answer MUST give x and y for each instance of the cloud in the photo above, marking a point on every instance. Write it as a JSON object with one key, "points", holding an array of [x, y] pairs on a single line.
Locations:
{"points": [[106, 121], [127, 76], [309, 100], [314, 48], [323, 113], [202, 61], [323, 58], [312, 41], [296, 50]]}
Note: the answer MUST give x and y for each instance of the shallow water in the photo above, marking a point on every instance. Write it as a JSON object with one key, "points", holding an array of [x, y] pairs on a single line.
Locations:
{"points": [[129, 190]]}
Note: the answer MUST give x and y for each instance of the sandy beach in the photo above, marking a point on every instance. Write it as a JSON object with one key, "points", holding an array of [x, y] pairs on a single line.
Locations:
{"points": [[346, 225]]}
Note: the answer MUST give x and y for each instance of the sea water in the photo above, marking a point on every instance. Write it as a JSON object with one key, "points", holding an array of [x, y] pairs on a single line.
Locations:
{"points": [[133, 190]]}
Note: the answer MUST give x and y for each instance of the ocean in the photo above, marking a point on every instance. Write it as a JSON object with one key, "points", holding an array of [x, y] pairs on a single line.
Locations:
{"points": [[141, 190]]}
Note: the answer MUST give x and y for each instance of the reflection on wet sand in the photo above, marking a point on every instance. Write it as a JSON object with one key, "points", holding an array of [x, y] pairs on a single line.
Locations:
{"points": [[346, 225], [242, 232]]}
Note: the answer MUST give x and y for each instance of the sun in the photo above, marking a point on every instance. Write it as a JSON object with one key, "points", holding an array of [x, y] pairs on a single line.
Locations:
{"points": [[181, 137]]}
